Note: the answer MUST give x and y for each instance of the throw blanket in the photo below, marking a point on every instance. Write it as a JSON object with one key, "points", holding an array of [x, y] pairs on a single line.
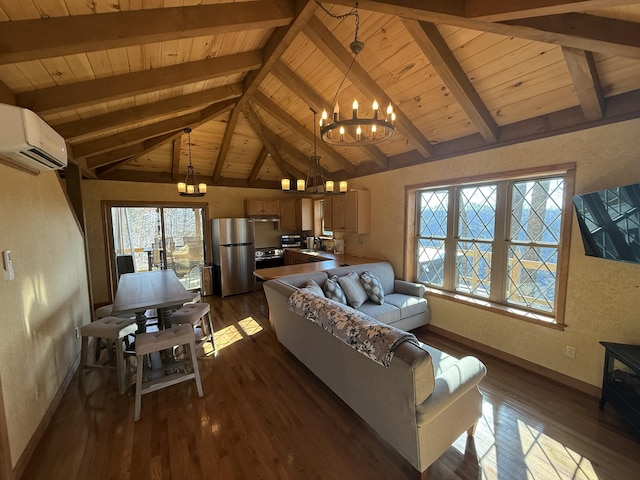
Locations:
{"points": [[366, 335]]}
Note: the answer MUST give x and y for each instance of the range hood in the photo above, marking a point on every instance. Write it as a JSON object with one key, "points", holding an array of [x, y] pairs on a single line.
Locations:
{"points": [[264, 218]]}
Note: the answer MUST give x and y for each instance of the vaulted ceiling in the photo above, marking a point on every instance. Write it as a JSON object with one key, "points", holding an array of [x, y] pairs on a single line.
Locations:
{"points": [[120, 80]]}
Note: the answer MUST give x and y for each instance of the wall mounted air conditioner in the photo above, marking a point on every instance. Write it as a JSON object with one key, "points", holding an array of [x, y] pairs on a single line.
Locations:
{"points": [[27, 141]]}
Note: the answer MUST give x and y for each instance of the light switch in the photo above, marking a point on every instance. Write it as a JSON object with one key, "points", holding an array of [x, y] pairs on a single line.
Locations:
{"points": [[8, 265]]}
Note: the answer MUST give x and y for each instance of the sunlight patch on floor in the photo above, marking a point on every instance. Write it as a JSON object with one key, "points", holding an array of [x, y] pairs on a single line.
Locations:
{"points": [[538, 456], [233, 333], [544, 455]]}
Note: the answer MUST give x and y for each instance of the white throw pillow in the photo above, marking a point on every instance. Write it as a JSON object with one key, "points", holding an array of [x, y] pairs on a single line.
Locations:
{"points": [[314, 288], [355, 293]]}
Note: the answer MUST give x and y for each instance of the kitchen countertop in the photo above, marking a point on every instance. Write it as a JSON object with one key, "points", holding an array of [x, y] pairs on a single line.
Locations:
{"points": [[333, 260]]}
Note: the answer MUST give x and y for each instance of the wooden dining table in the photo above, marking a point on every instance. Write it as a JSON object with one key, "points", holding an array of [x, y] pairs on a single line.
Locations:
{"points": [[139, 292]]}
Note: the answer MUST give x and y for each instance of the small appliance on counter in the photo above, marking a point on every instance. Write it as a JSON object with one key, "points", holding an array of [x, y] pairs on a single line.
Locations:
{"points": [[310, 242], [291, 241]]}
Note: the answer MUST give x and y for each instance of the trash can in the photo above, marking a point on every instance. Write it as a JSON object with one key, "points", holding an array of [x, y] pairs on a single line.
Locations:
{"points": [[207, 280]]}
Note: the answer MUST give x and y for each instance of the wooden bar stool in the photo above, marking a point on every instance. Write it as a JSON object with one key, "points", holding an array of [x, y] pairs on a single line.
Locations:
{"points": [[196, 314], [147, 343], [114, 330]]}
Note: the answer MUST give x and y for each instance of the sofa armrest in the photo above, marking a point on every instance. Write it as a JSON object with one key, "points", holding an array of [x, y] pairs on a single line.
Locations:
{"points": [[451, 385], [409, 288]]}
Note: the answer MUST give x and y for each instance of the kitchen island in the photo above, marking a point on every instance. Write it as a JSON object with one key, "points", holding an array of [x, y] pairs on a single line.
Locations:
{"points": [[318, 260]]}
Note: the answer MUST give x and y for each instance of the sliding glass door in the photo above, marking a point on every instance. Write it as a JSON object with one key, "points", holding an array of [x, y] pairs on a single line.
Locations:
{"points": [[154, 237]]}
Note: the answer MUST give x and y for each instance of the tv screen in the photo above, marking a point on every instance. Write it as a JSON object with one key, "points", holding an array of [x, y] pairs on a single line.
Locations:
{"points": [[610, 222]]}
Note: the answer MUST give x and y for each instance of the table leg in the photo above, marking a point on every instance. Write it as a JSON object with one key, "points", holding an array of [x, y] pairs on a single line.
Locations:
{"points": [[141, 321]]}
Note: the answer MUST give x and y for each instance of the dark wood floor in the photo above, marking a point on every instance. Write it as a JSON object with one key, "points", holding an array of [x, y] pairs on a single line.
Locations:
{"points": [[264, 416]]}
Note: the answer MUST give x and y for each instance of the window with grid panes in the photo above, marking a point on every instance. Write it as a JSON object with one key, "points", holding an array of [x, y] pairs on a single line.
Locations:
{"points": [[499, 241]]}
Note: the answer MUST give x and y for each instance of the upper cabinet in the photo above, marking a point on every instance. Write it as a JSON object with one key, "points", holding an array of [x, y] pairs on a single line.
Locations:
{"points": [[296, 214], [348, 213], [261, 207]]}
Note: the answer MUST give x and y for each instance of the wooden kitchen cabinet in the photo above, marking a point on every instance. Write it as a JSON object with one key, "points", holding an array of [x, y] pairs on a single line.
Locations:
{"points": [[296, 214], [350, 212], [258, 207], [293, 257]]}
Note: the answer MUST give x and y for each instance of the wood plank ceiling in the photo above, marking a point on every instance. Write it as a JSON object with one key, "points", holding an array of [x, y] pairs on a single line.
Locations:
{"points": [[121, 79]]}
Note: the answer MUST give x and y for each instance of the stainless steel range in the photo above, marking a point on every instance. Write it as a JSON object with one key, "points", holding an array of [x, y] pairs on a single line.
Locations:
{"points": [[269, 257]]}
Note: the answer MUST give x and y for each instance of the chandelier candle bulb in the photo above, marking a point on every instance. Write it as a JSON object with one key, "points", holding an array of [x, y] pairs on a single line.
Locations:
{"points": [[375, 109], [202, 187], [286, 184], [182, 187], [191, 189], [300, 185], [358, 133], [329, 186], [336, 112], [355, 108], [342, 134], [343, 186], [374, 129]]}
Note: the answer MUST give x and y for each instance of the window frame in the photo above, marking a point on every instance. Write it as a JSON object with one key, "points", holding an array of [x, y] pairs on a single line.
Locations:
{"points": [[553, 319]]}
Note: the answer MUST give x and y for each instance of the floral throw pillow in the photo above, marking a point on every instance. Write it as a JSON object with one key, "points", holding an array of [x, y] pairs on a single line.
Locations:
{"points": [[373, 287], [333, 291]]}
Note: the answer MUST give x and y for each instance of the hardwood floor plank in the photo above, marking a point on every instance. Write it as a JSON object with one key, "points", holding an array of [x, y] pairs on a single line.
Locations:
{"points": [[265, 416]]}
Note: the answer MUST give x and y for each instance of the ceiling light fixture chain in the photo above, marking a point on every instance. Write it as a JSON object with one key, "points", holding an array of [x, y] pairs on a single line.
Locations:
{"points": [[356, 131], [190, 187]]}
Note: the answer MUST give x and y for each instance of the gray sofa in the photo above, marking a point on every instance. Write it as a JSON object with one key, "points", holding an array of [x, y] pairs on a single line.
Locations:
{"points": [[420, 404], [404, 304]]}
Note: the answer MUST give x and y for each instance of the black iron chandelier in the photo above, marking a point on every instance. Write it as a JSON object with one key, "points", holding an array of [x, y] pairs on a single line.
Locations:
{"points": [[315, 182], [190, 187], [356, 131]]}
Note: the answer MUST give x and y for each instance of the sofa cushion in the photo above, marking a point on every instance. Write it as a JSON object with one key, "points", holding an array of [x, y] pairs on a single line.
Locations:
{"points": [[382, 270], [353, 289], [385, 313], [314, 288], [407, 304], [333, 291], [373, 287]]}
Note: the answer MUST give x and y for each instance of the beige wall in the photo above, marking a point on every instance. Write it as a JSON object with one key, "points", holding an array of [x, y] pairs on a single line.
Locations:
{"points": [[603, 295], [45, 302], [222, 202]]}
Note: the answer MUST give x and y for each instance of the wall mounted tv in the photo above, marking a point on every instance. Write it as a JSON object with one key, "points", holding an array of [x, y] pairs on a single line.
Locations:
{"points": [[610, 222]]}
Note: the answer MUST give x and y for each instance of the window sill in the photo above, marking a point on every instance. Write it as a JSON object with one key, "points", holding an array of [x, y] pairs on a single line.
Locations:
{"points": [[536, 318]]}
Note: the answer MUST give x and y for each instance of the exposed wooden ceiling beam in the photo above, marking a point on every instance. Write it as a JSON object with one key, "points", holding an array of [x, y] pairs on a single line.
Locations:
{"points": [[586, 81], [285, 167], [141, 149], [257, 166], [136, 135], [277, 44], [90, 92], [619, 108], [128, 116], [232, 121], [500, 11], [131, 151], [312, 98], [26, 40], [283, 117], [165, 177], [338, 55], [431, 42], [585, 32]]}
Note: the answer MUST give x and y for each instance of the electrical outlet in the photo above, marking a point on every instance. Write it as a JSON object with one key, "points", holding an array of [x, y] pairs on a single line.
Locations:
{"points": [[77, 332], [571, 351]]}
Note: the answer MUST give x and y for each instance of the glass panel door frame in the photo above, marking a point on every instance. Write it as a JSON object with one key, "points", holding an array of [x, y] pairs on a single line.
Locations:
{"points": [[110, 255]]}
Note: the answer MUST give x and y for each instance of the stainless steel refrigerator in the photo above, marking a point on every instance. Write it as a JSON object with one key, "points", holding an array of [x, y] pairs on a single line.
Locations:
{"points": [[233, 255]]}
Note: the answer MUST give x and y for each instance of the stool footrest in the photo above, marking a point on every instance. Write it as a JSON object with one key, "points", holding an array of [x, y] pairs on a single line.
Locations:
{"points": [[165, 381]]}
